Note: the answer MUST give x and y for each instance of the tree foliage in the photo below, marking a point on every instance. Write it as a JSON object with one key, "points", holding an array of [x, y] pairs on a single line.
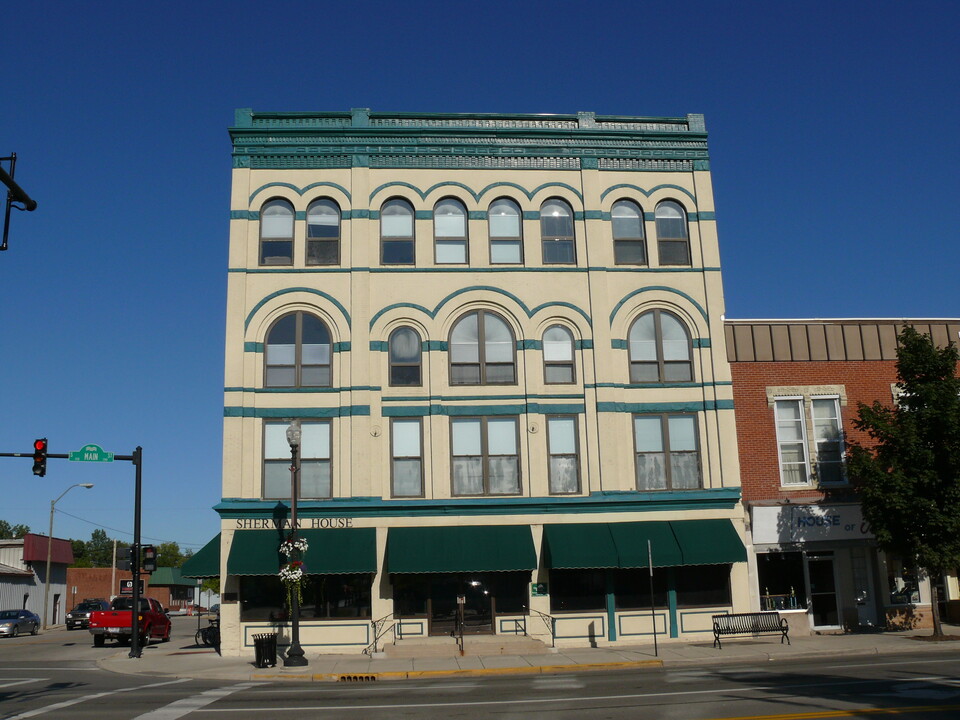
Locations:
{"points": [[908, 474], [10, 532], [170, 555]]}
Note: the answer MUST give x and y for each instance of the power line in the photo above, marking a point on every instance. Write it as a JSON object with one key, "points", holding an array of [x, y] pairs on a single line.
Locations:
{"points": [[127, 532]]}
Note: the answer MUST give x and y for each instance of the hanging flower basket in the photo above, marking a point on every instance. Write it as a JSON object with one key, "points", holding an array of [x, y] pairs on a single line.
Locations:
{"points": [[293, 578], [293, 544]]}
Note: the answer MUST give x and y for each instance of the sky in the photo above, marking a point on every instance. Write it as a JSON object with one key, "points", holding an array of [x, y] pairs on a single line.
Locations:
{"points": [[831, 126]]}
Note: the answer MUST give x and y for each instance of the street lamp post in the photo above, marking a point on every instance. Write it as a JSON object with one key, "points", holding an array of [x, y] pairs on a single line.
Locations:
{"points": [[46, 584], [295, 657]]}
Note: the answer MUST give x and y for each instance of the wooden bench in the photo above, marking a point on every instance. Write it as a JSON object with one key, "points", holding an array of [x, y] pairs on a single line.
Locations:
{"points": [[758, 623]]}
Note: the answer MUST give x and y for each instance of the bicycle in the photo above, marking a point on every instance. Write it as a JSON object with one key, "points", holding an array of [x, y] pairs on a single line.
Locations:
{"points": [[209, 636]]}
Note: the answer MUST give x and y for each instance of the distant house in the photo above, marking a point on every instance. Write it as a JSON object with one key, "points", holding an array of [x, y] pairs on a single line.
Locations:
{"points": [[23, 567]]}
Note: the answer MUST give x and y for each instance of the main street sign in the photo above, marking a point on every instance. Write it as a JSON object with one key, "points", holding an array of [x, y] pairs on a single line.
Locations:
{"points": [[91, 453]]}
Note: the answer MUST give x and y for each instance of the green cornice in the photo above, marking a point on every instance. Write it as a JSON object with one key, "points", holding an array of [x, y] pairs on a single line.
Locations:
{"points": [[305, 391], [232, 411]]}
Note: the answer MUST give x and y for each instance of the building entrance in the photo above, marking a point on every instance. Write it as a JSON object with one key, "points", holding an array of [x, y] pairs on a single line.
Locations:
{"points": [[823, 590]]}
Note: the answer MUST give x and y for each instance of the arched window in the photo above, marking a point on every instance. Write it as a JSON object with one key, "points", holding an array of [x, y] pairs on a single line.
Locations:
{"points": [[482, 351], [450, 232], [673, 241], [298, 352], [659, 349], [323, 233], [506, 238], [276, 233], [629, 247], [396, 233], [556, 233], [404, 351], [557, 355]]}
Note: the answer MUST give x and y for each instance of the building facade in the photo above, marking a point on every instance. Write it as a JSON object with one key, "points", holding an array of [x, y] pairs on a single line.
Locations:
{"points": [[797, 385], [23, 573], [502, 338], [166, 585]]}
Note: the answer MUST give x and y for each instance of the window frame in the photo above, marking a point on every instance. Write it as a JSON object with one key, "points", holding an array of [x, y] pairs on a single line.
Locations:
{"points": [[811, 443], [463, 240], [394, 457], [390, 240], [572, 364], [504, 240], [575, 455], [665, 242], [265, 460], [481, 362], [262, 257], [298, 364], [485, 454], [391, 364], [662, 362], [320, 242], [667, 451], [558, 240], [629, 241]]}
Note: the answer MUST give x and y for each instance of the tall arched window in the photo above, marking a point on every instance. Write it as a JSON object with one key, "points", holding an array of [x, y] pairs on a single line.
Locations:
{"points": [[450, 232], [673, 241], [506, 238], [556, 233], [298, 352], [276, 233], [404, 351], [396, 233], [629, 247], [482, 351], [557, 355], [323, 233], [660, 349]]}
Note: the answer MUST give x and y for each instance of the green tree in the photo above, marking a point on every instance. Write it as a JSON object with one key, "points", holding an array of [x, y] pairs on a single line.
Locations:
{"points": [[169, 555], [99, 549], [908, 474], [9, 532]]}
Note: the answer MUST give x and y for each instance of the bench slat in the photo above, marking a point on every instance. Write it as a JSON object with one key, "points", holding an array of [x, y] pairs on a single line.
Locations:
{"points": [[759, 623]]}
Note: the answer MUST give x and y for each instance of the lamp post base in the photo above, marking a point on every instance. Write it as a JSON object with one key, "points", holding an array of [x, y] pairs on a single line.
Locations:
{"points": [[294, 657]]}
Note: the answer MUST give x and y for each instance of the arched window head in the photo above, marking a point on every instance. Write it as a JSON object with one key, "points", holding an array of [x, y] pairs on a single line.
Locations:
{"points": [[323, 233], [659, 349], [556, 233], [629, 247], [673, 241], [405, 358], [557, 355], [276, 233], [396, 233], [298, 352], [505, 230], [482, 351], [450, 232]]}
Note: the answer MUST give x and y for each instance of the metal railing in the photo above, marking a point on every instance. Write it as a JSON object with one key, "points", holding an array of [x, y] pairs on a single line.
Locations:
{"points": [[381, 628], [551, 622]]}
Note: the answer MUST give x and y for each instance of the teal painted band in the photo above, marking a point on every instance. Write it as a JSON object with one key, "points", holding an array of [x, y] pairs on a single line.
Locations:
{"points": [[244, 215], [440, 345], [584, 344], [701, 342], [346, 411], [271, 296], [423, 214], [592, 215], [341, 346], [487, 398], [477, 215], [531, 214], [306, 391], [360, 214], [530, 408], [529, 345], [665, 407], [300, 215], [379, 346], [254, 347], [618, 344], [640, 386]]}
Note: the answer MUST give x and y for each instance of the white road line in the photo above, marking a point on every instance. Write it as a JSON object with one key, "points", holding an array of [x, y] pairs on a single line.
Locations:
{"points": [[937, 661], [18, 681], [188, 705], [48, 669], [84, 698]]}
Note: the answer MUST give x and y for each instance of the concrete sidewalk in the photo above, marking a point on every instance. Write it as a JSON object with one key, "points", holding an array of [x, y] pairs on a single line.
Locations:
{"points": [[175, 659]]}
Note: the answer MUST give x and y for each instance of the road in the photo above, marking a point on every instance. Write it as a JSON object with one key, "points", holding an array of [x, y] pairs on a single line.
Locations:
{"points": [[55, 676]]}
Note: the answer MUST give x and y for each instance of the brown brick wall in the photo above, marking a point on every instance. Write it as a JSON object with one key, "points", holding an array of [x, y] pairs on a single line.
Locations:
{"points": [[95, 583]]}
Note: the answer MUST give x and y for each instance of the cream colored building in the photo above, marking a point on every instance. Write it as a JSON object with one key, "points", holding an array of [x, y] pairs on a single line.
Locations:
{"points": [[502, 336]]}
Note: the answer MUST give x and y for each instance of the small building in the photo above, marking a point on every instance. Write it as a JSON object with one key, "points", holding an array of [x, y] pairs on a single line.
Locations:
{"points": [[23, 567], [166, 585]]}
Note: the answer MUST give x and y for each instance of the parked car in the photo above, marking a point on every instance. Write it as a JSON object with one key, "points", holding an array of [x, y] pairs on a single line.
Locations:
{"points": [[79, 617], [14, 622]]}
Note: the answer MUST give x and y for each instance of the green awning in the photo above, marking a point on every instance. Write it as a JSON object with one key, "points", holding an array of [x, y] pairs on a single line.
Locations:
{"points": [[330, 551], [709, 542], [631, 541], [471, 548], [205, 562], [580, 545]]}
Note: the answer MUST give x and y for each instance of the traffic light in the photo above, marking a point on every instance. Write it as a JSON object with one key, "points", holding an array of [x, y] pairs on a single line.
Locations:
{"points": [[40, 457], [125, 560], [149, 558]]}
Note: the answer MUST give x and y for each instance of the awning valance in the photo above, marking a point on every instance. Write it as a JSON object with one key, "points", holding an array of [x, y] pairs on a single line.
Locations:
{"points": [[460, 548], [330, 551], [205, 562]]}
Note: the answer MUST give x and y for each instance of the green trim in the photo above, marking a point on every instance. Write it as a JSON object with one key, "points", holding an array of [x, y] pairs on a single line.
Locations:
{"points": [[664, 288], [392, 269], [278, 293], [649, 192], [300, 191], [330, 412], [529, 408], [341, 346], [330, 551], [244, 215], [665, 407], [620, 344], [307, 391], [254, 347], [467, 398], [641, 386], [476, 194]]}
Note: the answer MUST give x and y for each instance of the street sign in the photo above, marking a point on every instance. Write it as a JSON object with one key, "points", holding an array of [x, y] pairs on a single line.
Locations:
{"points": [[126, 587], [91, 453]]}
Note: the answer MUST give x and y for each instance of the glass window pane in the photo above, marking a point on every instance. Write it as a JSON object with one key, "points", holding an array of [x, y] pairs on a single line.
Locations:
{"points": [[630, 252], [466, 437], [451, 251], [406, 438], [396, 219], [644, 372], [558, 374], [281, 377], [405, 375], [449, 219], [505, 252], [407, 478], [643, 339], [323, 220], [465, 340], [314, 331], [563, 474], [677, 372], [315, 376], [315, 479], [281, 354], [498, 340], [465, 374], [316, 355], [557, 345], [405, 345], [276, 220], [276, 479], [558, 251], [683, 433], [627, 220], [674, 253], [504, 218], [788, 410], [671, 221], [651, 473], [648, 433], [794, 474], [315, 441], [675, 343], [556, 220], [502, 436], [323, 252], [275, 441], [398, 252], [500, 374], [504, 475], [684, 471], [562, 436], [468, 476], [284, 331]]}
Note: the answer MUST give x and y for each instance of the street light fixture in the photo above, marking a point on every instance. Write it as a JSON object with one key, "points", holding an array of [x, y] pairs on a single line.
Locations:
{"points": [[295, 656], [46, 584]]}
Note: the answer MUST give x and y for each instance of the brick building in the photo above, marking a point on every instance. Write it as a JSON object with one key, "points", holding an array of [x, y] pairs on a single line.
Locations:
{"points": [[166, 585]]}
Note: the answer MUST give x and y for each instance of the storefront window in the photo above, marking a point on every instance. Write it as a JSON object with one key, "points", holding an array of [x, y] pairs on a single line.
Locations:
{"points": [[782, 584], [324, 596], [577, 590], [632, 588], [700, 585], [903, 582]]}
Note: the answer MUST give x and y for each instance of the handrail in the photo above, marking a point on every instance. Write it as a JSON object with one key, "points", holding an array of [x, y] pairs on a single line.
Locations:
{"points": [[380, 628], [551, 622]]}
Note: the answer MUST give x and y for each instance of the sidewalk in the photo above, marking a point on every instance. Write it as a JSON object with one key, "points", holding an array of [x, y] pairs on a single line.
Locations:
{"points": [[187, 661]]}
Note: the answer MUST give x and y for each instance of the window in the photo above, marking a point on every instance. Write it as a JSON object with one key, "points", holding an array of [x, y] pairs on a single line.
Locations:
{"points": [[485, 457], [667, 452], [506, 239], [629, 247], [276, 233], [558, 355], [298, 352], [315, 470], [828, 436], [482, 351], [450, 232], [578, 590], [798, 456], [659, 349], [323, 233], [396, 233], [564, 469], [407, 466], [556, 233], [673, 243], [324, 596], [792, 442], [404, 352]]}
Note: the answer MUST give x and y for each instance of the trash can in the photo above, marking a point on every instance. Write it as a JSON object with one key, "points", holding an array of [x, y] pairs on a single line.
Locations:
{"points": [[265, 649]]}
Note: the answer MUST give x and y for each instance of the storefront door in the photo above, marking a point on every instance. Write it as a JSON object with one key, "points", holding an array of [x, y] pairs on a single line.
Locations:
{"points": [[822, 582], [478, 604], [863, 592]]}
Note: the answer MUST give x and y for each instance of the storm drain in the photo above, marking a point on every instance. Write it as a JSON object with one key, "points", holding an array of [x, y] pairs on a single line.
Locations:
{"points": [[357, 678]]}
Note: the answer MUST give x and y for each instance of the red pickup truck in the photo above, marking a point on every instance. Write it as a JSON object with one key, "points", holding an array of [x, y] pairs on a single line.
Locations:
{"points": [[114, 624]]}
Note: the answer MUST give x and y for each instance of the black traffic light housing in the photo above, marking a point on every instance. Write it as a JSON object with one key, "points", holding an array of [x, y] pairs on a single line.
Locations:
{"points": [[40, 457], [149, 558]]}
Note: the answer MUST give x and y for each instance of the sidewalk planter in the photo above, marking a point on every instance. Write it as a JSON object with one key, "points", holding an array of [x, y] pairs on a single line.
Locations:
{"points": [[265, 649]]}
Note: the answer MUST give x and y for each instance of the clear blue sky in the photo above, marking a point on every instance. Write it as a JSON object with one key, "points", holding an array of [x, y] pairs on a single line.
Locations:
{"points": [[835, 158]]}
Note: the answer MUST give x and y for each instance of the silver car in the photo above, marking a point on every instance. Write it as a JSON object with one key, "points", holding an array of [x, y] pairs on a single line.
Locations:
{"points": [[15, 622]]}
